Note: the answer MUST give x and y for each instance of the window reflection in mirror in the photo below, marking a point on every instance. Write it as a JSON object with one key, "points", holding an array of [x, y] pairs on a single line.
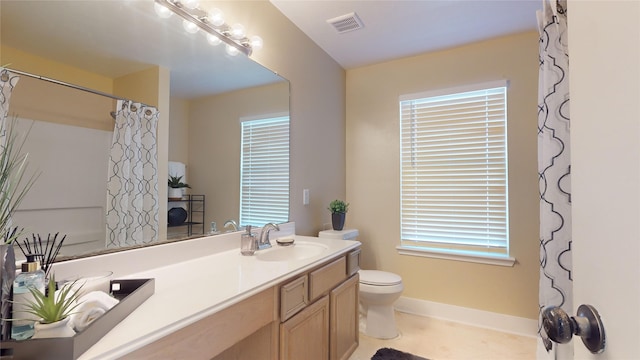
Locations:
{"points": [[204, 126]]}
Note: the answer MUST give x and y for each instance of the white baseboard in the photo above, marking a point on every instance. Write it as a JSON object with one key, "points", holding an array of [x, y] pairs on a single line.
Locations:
{"points": [[480, 318]]}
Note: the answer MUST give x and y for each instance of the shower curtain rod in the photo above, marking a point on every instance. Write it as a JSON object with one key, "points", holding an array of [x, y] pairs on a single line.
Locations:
{"points": [[77, 87]]}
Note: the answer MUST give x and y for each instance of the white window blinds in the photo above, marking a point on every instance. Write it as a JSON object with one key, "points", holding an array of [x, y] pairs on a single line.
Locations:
{"points": [[264, 171], [454, 171]]}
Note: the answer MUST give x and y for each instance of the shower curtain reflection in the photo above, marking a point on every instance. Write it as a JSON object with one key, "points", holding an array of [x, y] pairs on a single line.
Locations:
{"points": [[132, 186]]}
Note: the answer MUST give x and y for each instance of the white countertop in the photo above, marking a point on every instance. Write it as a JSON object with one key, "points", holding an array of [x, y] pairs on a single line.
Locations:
{"points": [[189, 290]]}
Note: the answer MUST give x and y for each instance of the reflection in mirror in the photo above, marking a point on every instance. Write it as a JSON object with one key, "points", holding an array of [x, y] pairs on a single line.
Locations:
{"points": [[72, 129]]}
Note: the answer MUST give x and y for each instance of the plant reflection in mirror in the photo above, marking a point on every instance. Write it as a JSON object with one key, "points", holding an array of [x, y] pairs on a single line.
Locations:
{"points": [[14, 185]]}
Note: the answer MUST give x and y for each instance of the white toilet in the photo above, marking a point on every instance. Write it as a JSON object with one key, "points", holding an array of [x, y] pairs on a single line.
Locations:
{"points": [[378, 291]]}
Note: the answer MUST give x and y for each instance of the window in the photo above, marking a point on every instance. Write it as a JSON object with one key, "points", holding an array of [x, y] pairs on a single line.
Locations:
{"points": [[454, 173], [264, 171]]}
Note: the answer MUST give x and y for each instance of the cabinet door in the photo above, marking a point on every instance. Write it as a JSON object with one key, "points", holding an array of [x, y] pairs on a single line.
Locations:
{"points": [[344, 319], [293, 297], [306, 335]]}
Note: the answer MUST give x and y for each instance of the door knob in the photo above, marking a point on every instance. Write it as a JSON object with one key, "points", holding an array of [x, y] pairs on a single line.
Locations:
{"points": [[560, 327]]}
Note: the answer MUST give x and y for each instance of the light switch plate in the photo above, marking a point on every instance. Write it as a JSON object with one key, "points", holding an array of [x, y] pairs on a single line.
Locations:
{"points": [[305, 197]]}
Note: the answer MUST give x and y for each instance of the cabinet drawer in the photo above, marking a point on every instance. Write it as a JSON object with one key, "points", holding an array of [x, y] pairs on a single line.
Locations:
{"points": [[353, 262], [293, 297], [327, 277]]}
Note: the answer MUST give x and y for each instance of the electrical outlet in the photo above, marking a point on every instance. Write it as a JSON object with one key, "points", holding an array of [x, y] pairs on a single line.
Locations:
{"points": [[305, 197]]}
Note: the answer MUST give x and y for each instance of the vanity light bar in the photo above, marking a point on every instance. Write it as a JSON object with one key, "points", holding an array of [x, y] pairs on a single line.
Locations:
{"points": [[198, 17]]}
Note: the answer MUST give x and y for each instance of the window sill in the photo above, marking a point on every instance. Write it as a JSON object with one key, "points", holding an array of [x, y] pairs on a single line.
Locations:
{"points": [[458, 255]]}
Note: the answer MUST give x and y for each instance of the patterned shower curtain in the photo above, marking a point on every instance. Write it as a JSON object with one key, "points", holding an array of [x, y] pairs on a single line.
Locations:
{"points": [[554, 170], [132, 187], [8, 81]]}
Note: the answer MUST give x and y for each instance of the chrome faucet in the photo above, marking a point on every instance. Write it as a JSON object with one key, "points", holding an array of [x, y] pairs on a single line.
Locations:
{"points": [[231, 223], [264, 242]]}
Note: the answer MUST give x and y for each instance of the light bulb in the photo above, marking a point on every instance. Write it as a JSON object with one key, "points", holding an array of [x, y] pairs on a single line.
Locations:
{"points": [[231, 50], [215, 17], [162, 11], [190, 27], [237, 31], [256, 42], [213, 40], [190, 4]]}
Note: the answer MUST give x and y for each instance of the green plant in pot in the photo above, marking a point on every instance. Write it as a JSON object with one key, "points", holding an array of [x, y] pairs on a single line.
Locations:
{"points": [[175, 187], [53, 309], [14, 185], [338, 210]]}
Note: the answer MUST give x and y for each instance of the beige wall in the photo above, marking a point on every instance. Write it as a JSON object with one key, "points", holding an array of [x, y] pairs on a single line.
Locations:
{"points": [[45, 101], [317, 109], [20, 60], [372, 157], [179, 130], [214, 144]]}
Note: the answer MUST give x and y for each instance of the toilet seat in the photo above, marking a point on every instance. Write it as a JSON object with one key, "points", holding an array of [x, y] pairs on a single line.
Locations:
{"points": [[379, 278]]}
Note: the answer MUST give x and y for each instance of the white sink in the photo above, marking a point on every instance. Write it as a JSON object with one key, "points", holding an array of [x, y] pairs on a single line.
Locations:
{"points": [[297, 251]]}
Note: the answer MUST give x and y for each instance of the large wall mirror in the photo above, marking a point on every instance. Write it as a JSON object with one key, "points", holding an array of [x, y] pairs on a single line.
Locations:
{"points": [[122, 44]]}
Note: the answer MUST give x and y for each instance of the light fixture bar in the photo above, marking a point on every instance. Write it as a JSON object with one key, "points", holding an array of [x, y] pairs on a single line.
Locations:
{"points": [[199, 18]]}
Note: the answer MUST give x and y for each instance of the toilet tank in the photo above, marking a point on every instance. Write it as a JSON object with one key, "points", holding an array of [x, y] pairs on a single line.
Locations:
{"points": [[347, 234]]}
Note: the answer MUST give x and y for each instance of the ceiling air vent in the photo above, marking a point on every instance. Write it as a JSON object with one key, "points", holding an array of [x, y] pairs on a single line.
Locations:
{"points": [[345, 23]]}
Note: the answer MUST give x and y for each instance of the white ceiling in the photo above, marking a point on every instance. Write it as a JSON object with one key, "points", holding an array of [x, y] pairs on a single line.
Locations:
{"points": [[115, 38], [399, 28]]}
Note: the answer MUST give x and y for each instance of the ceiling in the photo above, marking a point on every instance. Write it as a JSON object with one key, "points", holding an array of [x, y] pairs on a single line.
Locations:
{"points": [[105, 37], [400, 28], [116, 38]]}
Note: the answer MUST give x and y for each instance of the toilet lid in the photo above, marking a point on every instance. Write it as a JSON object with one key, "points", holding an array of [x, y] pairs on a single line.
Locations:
{"points": [[380, 278]]}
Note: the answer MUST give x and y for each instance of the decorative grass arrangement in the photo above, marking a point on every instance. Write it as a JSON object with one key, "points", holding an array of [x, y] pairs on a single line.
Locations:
{"points": [[51, 307], [13, 183]]}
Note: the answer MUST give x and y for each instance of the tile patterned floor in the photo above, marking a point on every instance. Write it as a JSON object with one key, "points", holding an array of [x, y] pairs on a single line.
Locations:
{"points": [[443, 340]]}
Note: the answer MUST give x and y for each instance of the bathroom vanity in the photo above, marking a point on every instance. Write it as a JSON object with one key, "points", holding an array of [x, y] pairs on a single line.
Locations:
{"points": [[211, 302]]}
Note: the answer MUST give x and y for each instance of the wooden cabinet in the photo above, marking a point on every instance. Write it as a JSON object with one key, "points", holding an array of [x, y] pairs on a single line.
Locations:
{"points": [[328, 327], [312, 316], [306, 335], [353, 262], [322, 280], [344, 334], [294, 296], [214, 334]]}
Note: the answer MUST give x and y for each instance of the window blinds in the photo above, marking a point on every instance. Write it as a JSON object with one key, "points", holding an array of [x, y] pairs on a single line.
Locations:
{"points": [[454, 171], [264, 172]]}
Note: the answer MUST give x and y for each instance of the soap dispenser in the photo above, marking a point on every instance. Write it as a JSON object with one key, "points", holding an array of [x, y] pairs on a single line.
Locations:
{"points": [[214, 229], [31, 276], [248, 242]]}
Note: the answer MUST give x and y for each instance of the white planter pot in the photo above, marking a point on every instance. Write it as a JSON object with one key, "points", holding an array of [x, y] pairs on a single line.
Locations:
{"points": [[53, 330], [175, 193]]}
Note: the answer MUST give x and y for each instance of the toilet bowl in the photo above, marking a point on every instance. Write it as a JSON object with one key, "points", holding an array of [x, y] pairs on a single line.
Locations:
{"points": [[378, 291]]}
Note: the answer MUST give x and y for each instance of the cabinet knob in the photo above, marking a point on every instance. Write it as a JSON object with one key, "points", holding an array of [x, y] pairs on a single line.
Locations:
{"points": [[560, 327]]}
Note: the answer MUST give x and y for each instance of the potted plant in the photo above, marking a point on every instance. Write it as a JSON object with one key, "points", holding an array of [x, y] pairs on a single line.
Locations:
{"points": [[338, 210], [14, 185], [176, 187], [53, 309]]}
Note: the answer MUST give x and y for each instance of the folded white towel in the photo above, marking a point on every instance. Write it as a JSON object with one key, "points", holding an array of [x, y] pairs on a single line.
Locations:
{"points": [[92, 306]]}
